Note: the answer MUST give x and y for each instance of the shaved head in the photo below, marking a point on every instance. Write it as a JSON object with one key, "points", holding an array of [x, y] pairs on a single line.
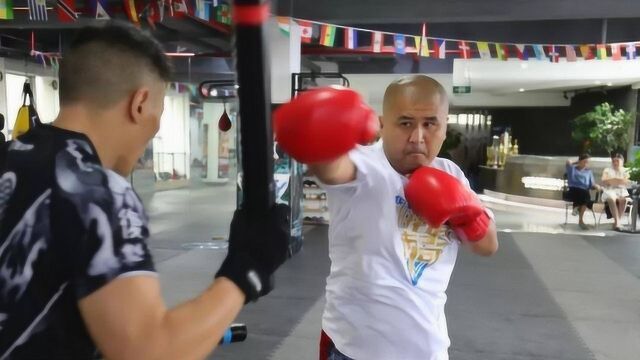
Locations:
{"points": [[106, 64], [415, 87]]}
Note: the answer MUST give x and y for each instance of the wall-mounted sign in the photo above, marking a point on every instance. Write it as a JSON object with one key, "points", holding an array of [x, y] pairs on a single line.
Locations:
{"points": [[462, 89]]}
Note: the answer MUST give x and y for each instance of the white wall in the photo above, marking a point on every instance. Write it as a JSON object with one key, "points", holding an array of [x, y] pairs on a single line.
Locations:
{"points": [[47, 98], [171, 144]]}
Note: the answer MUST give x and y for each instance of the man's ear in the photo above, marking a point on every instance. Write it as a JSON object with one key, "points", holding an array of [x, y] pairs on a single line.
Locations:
{"points": [[139, 100], [381, 122]]}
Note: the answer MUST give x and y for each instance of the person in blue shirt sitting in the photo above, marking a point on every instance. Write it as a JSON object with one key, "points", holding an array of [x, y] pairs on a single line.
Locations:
{"points": [[580, 180]]}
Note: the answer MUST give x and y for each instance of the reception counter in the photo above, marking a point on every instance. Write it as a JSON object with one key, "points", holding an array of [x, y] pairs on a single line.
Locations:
{"points": [[533, 175]]}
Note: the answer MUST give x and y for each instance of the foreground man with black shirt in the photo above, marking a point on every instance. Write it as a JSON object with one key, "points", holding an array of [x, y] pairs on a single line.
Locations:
{"points": [[76, 276]]}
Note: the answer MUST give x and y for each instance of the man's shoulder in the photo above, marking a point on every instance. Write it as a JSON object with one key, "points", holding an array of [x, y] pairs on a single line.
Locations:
{"points": [[448, 166], [81, 179]]}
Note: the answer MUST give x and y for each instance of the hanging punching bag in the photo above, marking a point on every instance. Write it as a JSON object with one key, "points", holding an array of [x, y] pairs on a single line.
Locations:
{"points": [[27, 116], [224, 123]]}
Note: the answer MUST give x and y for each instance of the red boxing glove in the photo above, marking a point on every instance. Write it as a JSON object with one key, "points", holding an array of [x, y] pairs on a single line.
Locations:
{"points": [[324, 123], [438, 197]]}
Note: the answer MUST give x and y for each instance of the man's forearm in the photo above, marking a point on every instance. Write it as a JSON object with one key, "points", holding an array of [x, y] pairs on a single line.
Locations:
{"points": [[150, 330], [488, 245], [193, 329], [335, 172]]}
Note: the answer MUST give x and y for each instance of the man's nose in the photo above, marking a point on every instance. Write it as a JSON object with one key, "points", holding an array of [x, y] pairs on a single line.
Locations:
{"points": [[417, 136]]}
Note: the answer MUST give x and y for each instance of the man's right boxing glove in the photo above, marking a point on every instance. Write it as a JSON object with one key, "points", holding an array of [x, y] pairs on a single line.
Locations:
{"points": [[438, 197], [324, 123]]}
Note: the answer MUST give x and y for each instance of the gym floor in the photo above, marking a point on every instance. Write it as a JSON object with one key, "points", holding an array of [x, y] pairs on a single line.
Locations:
{"points": [[551, 291]]}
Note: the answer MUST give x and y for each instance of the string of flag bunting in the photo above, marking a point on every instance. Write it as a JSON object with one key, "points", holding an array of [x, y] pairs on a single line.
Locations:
{"points": [[151, 11], [372, 41]]}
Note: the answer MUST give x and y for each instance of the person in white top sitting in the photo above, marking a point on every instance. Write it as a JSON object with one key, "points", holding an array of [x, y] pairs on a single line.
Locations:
{"points": [[616, 180], [398, 217]]}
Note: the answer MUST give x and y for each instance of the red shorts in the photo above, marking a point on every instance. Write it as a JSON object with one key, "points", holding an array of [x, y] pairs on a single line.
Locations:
{"points": [[326, 344]]}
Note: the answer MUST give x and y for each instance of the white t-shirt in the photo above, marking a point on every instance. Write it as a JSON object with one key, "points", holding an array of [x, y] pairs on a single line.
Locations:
{"points": [[385, 294]]}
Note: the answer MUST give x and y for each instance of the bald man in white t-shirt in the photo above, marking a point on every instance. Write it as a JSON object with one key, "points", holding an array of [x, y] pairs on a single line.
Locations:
{"points": [[385, 294]]}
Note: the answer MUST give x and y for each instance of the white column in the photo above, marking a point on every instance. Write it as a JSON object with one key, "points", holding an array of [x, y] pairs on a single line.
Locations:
{"points": [[284, 58], [211, 115]]}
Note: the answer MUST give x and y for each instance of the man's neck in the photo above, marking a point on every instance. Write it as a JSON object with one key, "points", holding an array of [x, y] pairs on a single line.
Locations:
{"points": [[76, 118]]}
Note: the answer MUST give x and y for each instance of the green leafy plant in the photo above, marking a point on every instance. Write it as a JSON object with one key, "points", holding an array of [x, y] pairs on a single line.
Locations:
{"points": [[634, 167], [603, 127]]}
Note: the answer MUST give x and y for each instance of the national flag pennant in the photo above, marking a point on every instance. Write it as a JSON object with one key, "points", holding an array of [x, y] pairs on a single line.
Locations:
{"points": [[306, 31], [631, 51], [616, 53], [571, 53], [38, 10], [522, 52], [171, 7], [132, 12], [327, 35], [554, 55], [424, 44], [539, 51], [203, 10], [483, 50], [465, 49], [284, 25], [180, 8], [399, 43], [350, 38], [160, 6], [377, 40], [151, 13], [440, 48], [424, 47], [601, 51], [585, 51], [66, 10], [500, 52], [6, 9], [416, 44]]}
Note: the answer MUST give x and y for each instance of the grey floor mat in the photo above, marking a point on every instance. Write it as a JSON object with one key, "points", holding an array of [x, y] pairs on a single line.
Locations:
{"points": [[499, 309]]}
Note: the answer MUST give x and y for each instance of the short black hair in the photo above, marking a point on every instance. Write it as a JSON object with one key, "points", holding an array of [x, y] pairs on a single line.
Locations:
{"points": [[584, 156], [106, 62]]}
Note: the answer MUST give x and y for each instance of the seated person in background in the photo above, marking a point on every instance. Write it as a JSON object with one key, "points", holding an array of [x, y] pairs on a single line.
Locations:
{"points": [[580, 180], [615, 180]]}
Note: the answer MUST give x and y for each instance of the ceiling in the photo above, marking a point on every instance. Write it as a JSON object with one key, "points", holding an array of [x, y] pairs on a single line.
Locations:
{"points": [[526, 21], [455, 11]]}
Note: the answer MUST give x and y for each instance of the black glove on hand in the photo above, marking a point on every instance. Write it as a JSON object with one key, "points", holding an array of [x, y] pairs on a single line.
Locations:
{"points": [[256, 249]]}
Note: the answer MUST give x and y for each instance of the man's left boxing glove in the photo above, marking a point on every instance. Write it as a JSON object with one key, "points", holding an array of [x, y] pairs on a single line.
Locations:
{"points": [[256, 249], [438, 197]]}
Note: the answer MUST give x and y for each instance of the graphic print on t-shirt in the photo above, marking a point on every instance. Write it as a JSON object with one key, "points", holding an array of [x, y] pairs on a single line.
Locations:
{"points": [[422, 244]]}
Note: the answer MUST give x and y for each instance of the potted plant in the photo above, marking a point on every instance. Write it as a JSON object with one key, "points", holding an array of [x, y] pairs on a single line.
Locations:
{"points": [[603, 127]]}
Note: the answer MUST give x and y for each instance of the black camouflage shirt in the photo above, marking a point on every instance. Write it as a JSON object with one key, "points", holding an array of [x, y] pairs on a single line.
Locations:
{"points": [[67, 227]]}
